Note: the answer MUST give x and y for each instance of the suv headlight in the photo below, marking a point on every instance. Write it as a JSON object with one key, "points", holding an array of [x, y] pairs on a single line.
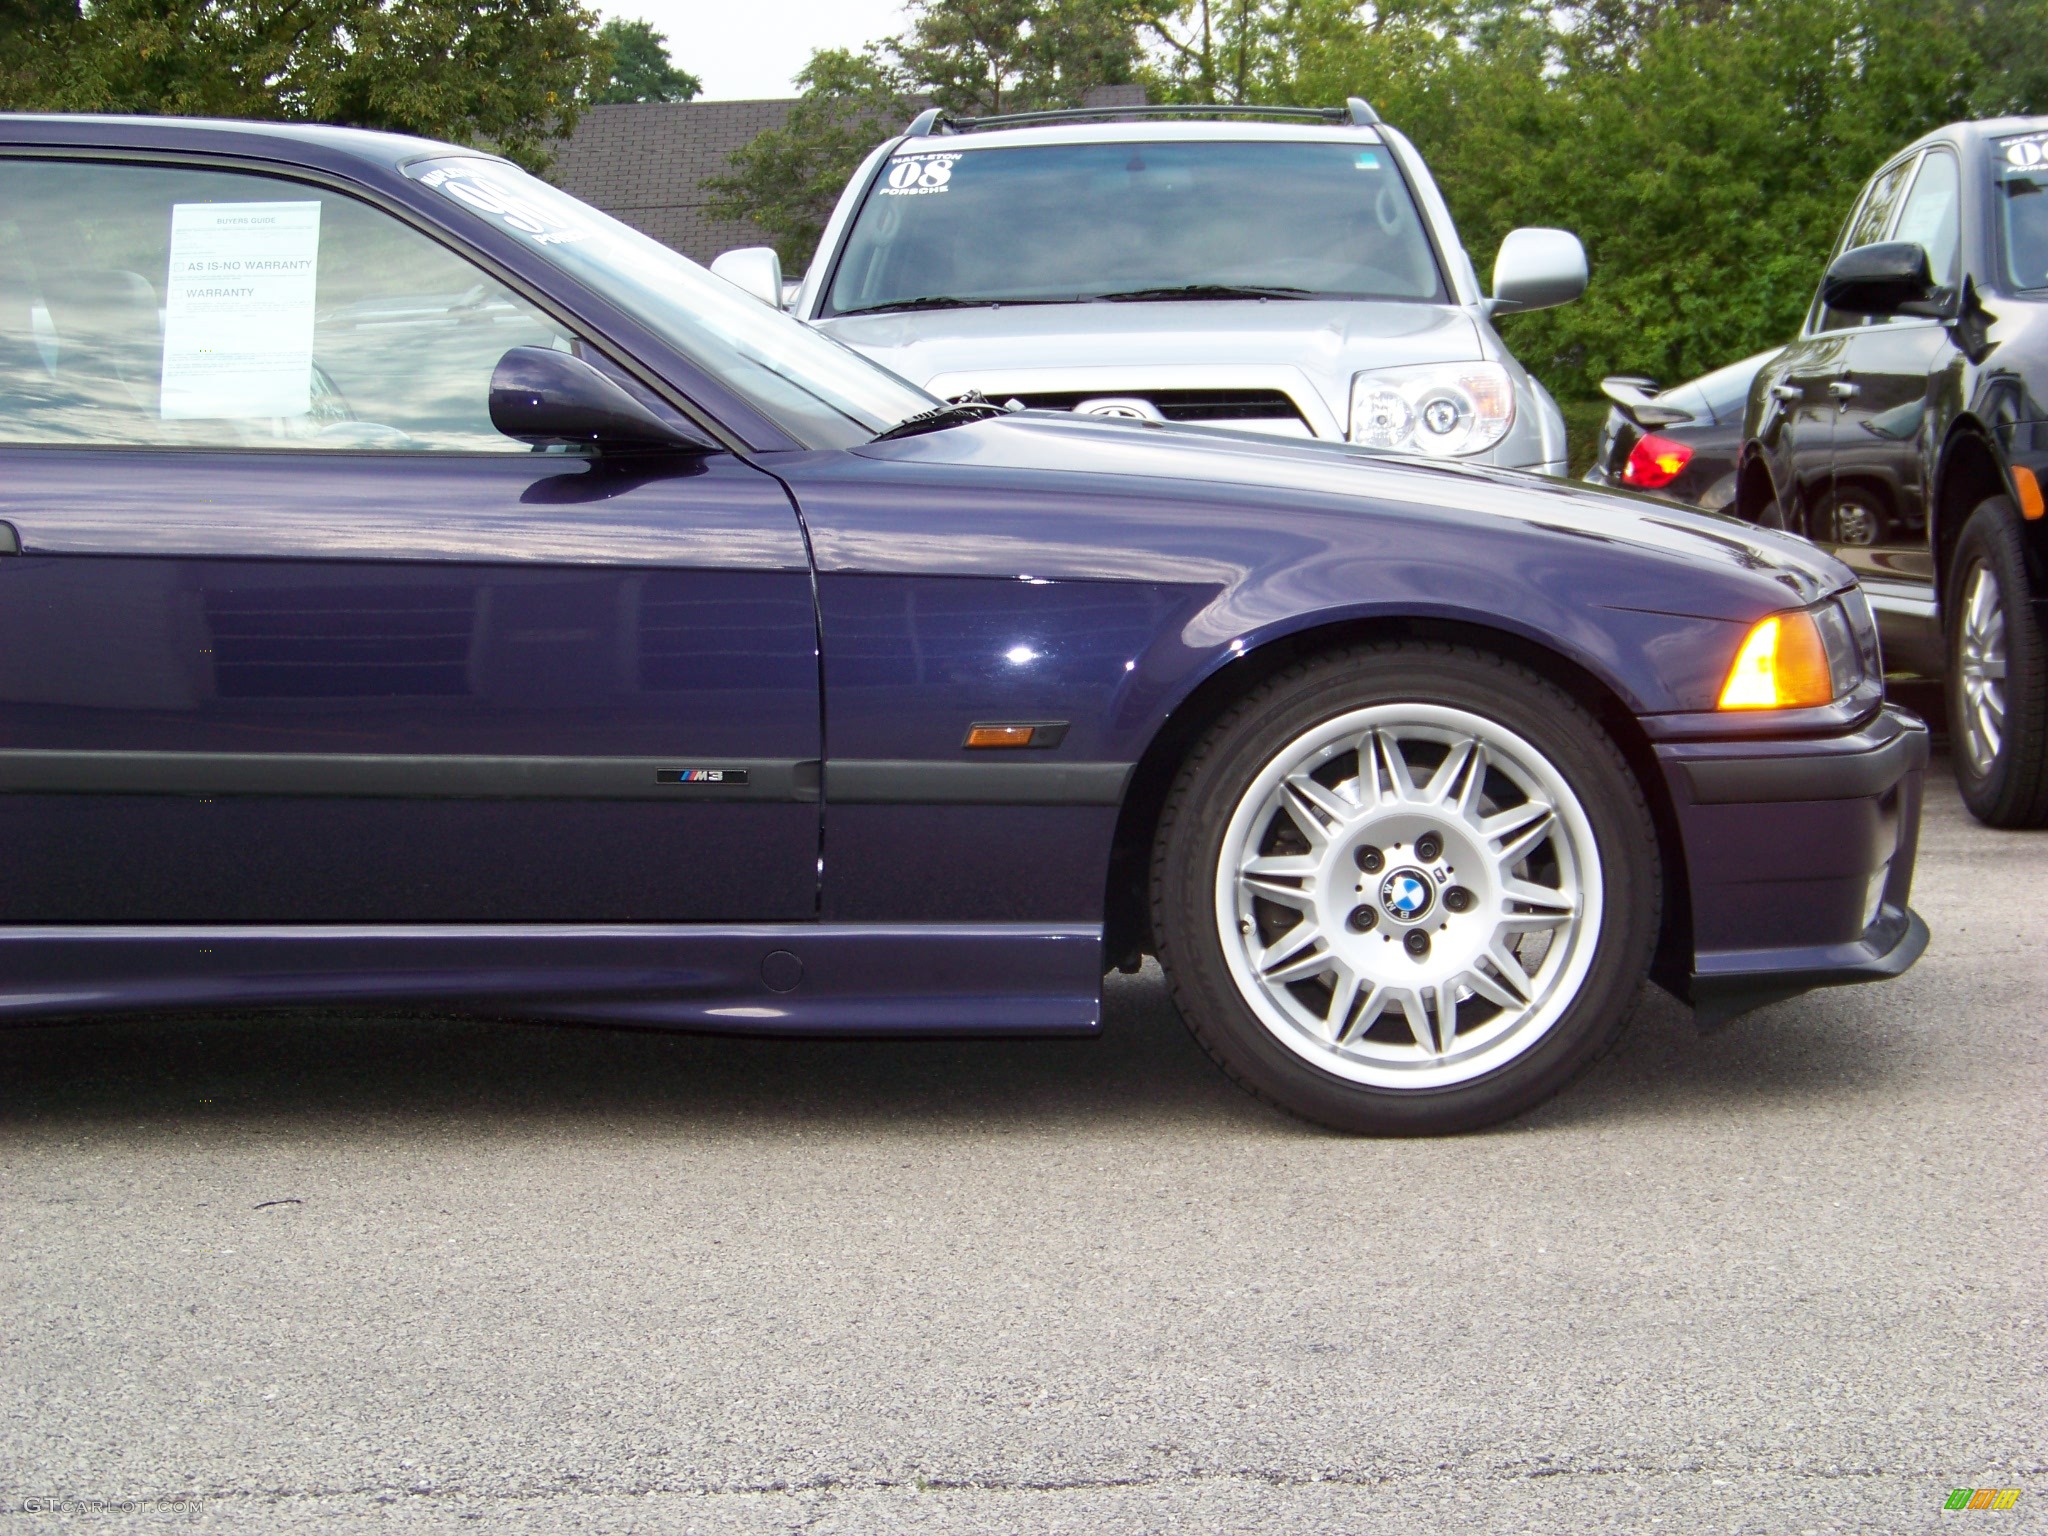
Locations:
{"points": [[1439, 409]]}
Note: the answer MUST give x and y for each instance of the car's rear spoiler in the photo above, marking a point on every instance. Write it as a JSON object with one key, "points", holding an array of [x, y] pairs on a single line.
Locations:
{"points": [[1635, 396]]}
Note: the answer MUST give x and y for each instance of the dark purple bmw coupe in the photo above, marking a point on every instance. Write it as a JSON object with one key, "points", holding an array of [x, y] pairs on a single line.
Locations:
{"points": [[417, 585]]}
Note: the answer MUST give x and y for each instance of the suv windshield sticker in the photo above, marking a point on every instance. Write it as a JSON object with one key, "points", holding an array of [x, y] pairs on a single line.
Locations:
{"points": [[2024, 156], [238, 310], [499, 199], [1366, 160], [916, 175]]}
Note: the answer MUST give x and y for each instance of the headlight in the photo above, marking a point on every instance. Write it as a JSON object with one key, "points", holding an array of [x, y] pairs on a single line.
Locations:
{"points": [[1440, 409], [1797, 660]]}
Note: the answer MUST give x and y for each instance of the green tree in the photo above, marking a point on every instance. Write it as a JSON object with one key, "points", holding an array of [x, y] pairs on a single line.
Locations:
{"points": [[972, 57], [982, 57], [1705, 151], [787, 179], [639, 68], [501, 74]]}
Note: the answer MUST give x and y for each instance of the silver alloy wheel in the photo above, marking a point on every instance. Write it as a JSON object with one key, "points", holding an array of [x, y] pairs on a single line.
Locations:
{"points": [[1855, 523], [1983, 669], [1409, 895]]}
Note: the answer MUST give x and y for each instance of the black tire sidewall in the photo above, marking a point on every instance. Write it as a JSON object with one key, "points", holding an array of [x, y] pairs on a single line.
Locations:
{"points": [[2014, 792], [1240, 747]]}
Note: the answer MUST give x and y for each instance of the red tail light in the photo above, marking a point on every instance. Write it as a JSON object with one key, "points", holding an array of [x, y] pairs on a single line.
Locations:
{"points": [[1654, 462]]}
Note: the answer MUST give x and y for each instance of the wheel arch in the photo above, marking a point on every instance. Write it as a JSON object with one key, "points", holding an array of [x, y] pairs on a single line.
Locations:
{"points": [[1127, 902], [1755, 489], [1969, 471]]}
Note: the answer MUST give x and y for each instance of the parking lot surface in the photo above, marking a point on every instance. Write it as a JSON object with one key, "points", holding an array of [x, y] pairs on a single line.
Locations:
{"points": [[351, 1272]]}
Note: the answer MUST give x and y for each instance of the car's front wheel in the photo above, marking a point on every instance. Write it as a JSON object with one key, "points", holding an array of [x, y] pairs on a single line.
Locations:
{"points": [[1997, 673], [1406, 889]]}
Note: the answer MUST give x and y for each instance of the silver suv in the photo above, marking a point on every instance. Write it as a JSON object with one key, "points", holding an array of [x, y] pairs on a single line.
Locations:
{"points": [[1291, 271]]}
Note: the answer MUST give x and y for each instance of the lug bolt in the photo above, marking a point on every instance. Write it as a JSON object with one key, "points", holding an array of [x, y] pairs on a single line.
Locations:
{"points": [[1371, 860], [1417, 943], [1362, 919], [1428, 847], [1457, 899]]}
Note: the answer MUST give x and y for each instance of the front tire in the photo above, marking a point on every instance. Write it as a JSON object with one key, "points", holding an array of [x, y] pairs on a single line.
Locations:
{"points": [[1406, 889], [1997, 673]]}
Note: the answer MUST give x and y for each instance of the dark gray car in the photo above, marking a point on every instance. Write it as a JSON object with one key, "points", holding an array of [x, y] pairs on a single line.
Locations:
{"points": [[1679, 443]]}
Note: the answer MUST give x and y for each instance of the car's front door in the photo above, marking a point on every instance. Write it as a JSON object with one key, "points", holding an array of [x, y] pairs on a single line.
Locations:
{"points": [[1806, 383], [1879, 524], [1799, 425], [291, 634]]}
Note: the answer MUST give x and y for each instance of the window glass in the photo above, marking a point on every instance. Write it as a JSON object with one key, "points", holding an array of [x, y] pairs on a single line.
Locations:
{"points": [[1871, 220], [822, 393], [1866, 227], [1930, 216], [2019, 168], [164, 306], [1068, 223]]}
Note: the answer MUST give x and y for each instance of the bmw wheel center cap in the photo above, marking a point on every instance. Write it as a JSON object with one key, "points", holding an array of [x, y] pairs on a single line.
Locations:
{"points": [[1407, 895]]}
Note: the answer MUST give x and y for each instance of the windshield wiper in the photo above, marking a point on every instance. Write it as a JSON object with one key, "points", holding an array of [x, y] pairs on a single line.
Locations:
{"points": [[938, 301], [972, 406], [1202, 291]]}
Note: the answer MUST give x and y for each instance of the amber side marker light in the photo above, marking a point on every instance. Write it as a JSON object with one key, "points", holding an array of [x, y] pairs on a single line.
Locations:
{"points": [[1016, 733], [999, 736], [1782, 665], [2029, 486]]}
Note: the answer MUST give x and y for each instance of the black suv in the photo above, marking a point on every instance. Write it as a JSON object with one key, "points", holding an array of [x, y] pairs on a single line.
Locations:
{"points": [[1902, 431]]}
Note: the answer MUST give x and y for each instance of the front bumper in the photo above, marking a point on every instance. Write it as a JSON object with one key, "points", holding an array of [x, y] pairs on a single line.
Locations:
{"points": [[1799, 860]]}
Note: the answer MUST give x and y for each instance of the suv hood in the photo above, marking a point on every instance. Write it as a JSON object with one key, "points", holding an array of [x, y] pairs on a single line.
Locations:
{"points": [[1021, 348]]}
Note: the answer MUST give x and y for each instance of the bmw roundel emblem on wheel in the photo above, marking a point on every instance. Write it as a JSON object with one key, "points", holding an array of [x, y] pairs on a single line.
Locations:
{"points": [[1406, 895]]}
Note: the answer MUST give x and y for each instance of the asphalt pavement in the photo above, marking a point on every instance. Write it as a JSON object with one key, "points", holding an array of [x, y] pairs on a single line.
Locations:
{"points": [[351, 1272]]}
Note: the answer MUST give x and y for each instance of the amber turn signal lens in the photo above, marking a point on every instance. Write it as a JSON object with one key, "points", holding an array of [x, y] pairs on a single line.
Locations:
{"points": [[2028, 484], [1782, 665], [999, 736]]}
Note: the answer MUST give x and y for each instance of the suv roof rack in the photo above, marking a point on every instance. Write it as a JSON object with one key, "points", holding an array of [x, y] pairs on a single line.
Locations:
{"points": [[931, 120]]}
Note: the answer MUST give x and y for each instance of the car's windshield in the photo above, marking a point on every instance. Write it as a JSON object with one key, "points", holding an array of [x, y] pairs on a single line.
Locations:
{"points": [[1078, 222], [2019, 167], [823, 394]]}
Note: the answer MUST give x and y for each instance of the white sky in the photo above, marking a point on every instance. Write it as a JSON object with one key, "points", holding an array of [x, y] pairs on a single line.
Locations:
{"points": [[742, 49]]}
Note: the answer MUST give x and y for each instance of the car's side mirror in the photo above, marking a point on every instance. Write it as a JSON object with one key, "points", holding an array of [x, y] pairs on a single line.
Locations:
{"points": [[1887, 279], [1538, 268], [756, 270], [546, 398]]}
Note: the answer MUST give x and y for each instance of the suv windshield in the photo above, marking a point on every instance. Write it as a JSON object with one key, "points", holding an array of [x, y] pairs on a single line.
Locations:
{"points": [[2020, 167], [1069, 223], [823, 394]]}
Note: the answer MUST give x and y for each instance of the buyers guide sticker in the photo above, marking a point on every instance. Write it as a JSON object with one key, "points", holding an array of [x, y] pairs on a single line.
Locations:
{"points": [[918, 175], [238, 309]]}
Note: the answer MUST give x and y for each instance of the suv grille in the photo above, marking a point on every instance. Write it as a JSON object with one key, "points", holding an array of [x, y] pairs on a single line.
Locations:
{"points": [[1197, 405]]}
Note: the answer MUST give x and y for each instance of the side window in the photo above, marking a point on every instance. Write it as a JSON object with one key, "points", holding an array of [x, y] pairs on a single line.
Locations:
{"points": [[161, 306], [1931, 217], [1866, 227]]}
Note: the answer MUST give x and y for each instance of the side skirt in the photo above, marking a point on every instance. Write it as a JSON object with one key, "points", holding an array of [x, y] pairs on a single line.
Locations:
{"points": [[764, 978]]}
